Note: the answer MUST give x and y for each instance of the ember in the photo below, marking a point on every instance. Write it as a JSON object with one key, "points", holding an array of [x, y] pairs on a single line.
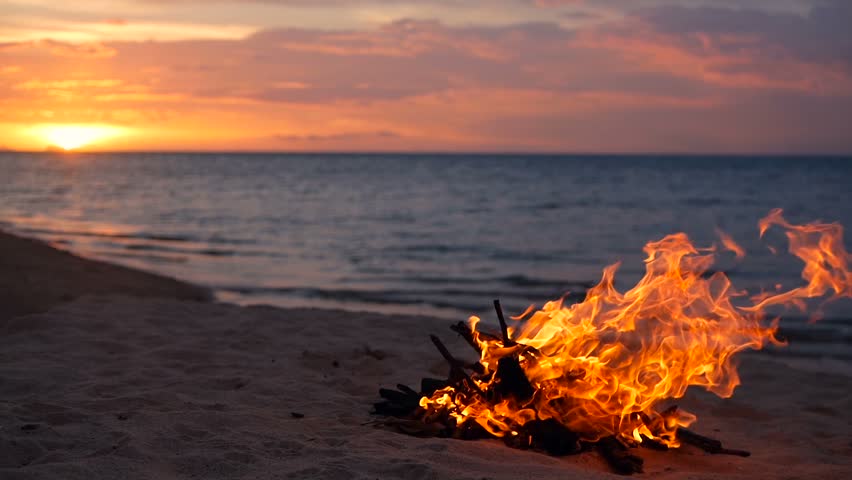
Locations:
{"points": [[568, 378]]}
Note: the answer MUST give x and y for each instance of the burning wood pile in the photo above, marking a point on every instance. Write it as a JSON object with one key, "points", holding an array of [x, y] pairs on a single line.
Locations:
{"points": [[596, 374]]}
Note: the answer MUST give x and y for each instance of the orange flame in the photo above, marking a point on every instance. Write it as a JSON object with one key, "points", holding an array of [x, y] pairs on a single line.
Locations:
{"points": [[820, 246], [731, 245], [604, 365]]}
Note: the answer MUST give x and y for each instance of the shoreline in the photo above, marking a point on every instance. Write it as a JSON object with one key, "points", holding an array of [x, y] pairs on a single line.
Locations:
{"points": [[34, 277], [133, 375]]}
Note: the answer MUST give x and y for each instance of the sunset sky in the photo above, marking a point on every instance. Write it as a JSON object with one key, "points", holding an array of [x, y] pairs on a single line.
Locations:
{"points": [[428, 75]]}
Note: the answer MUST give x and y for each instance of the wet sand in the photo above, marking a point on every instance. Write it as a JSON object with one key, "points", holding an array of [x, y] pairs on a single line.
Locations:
{"points": [[109, 373]]}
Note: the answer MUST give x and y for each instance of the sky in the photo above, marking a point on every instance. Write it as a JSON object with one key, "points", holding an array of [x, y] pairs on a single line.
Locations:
{"points": [[617, 76]]}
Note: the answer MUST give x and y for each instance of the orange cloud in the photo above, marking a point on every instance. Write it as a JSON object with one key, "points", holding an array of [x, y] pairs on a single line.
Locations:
{"points": [[79, 50], [632, 84], [68, 84], [63, 49]]}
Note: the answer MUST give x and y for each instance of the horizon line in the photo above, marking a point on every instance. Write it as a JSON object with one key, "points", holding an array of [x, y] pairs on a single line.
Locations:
{"points": [[433, 152]]}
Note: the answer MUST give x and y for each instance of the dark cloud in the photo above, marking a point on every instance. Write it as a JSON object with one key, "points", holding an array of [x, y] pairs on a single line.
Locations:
{"points": [[823, 35], [402, 59]]}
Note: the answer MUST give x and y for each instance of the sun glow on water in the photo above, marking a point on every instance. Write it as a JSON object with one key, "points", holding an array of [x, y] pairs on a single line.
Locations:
{"points": [[72, 137]]}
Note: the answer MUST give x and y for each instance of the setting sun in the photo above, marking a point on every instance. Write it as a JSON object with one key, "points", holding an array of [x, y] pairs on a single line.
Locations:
{"points": [[342, 238], [71, 137]]}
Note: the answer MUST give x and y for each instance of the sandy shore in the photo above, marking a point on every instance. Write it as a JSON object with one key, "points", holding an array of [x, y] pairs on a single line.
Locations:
{"points": [[35, 277], [131, 380]]}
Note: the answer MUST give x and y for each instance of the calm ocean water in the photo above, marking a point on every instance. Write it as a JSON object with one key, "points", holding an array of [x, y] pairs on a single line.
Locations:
{"points": [[436, 234]]}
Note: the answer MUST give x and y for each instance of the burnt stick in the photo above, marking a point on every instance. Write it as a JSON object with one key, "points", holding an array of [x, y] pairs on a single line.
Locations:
{"points": [[397, 396], [428, 386], [511, 381], [407, 389], [552, 437], [503, 327], [616, 454], [455, 365], [709, 445], [652, 444], [462, 329]]}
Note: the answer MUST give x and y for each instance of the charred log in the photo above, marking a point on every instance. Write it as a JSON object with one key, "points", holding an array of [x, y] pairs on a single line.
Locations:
{"points": [[553, 437], [652, 444], [619, 457], [428, 386], [511, 381], [709, 445], [407, 390], [400, 398], [397, 403], [469, 431]]}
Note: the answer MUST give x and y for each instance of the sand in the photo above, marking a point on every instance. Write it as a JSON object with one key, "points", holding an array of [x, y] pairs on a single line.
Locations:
{"points": [[109, 386], [35, 277]]}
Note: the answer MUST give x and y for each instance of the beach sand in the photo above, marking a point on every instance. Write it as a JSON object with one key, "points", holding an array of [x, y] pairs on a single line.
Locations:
{"points": [[107, 373], [35, 277]]}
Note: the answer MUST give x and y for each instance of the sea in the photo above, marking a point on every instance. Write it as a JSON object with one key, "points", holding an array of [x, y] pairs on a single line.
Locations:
{"points": [[433, 234]]}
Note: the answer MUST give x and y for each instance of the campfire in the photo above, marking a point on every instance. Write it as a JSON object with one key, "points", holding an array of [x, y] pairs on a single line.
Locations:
{"points": [[597, 374]]}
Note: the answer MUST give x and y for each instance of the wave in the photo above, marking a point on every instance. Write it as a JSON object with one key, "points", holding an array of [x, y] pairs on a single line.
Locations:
{"points": [[417, 251], [466, 300], [150, 242], [513, 280], [157, 237], [837, 330], [825, 338], [153, 258], [207, 252]]}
